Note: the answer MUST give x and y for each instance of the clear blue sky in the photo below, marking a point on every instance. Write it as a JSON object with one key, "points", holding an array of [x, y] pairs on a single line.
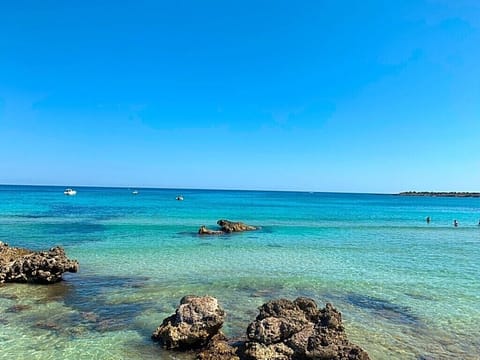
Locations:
{"points": [[360, 96]]}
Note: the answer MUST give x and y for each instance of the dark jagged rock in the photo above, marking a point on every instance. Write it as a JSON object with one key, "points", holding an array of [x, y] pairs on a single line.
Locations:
{"points": [[195, 322], [219, 348], [298, 330], [231, 226], [283, 330], [44, 267]]}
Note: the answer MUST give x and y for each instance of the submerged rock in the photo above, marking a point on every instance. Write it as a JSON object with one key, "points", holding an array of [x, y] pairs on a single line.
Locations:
{"points": [[44, 267], [195, 322]]}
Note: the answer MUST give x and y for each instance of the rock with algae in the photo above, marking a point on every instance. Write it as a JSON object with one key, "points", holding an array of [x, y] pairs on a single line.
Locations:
{"points": [[26, 266]]}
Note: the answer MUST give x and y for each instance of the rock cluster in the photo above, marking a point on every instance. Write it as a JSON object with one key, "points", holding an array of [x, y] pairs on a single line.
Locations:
{"points": [[226, 227], [220, 348], [297, 329], [44, 267], [231, 226], [195, 322], [283, 330]]}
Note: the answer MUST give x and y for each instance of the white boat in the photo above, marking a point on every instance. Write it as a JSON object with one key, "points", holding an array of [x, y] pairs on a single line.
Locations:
{"points": [[135, 192], [70, 192], [179, 197]]}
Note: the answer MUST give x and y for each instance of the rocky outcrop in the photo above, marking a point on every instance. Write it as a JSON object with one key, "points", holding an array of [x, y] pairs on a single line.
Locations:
{"points": [[195, 322], [204, 231], [44, 267], [231, 226], [299, 330], [219, 348], [283, 330], [226, 227]]}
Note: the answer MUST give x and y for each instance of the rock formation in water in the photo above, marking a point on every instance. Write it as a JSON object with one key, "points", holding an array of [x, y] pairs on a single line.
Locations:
{"points": [[195, 322], [44, 267], [297, 329], [204, 231], [226, 227], [231, 226], [284, 330], [220, 348]]}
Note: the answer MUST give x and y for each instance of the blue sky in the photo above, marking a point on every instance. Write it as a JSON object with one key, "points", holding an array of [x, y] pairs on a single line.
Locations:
{"points": [[353, 96]]}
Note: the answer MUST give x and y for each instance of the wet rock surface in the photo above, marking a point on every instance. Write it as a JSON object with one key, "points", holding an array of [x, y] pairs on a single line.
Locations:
{"points": [[196, 320], [26, 266], [205, 231], [297, 329], [219, 348], [226, 227], [283, 330], [231, 226]]}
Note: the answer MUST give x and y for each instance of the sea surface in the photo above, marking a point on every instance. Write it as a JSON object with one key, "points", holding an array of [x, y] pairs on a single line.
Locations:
{"points": [[406, 289]]}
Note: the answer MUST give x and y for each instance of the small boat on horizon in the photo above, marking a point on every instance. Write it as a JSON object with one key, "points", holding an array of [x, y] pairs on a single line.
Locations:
{"points": [[135, 192], [70, 192], [179, 197]]}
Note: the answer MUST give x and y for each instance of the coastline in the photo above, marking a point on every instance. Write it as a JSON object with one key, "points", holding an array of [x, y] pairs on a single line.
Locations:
{"points": [[441, 194]]}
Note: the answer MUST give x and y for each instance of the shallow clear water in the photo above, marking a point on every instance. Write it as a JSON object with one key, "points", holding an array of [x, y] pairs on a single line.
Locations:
{"points": [[406, 289]]}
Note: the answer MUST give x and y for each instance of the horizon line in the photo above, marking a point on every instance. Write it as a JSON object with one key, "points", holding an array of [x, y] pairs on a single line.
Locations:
{"points": [[193, 188]]}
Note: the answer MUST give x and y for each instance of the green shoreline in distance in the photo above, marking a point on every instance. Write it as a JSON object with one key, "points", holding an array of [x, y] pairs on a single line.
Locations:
{"points": [[440, 194]]}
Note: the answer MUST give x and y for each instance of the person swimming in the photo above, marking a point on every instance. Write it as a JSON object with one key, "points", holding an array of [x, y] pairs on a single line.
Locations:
{"points": [[455, 223]]}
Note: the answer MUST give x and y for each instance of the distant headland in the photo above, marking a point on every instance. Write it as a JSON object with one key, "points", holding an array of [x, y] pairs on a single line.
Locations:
{"points": [[440, 194]]}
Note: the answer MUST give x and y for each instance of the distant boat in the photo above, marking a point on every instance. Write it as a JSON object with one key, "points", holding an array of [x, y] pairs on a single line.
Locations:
{"points": [[179, 197], [135, 192], [70, 192]]}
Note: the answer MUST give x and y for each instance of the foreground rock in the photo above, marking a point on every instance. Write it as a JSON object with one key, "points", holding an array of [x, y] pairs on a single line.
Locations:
{"points": [[219, 348], [226, 227], [283, 330], [195, 322], [297, 329], [44, 267]]}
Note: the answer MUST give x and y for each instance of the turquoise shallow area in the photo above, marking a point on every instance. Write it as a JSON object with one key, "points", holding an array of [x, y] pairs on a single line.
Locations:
{"points": [[407, 289]]}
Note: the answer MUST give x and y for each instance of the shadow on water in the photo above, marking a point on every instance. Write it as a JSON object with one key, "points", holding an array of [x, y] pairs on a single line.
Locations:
{"points": [[92, 211], [267, 229], [393, 312], [196, 235], [31, 216], [75, 228], [93, 308]]}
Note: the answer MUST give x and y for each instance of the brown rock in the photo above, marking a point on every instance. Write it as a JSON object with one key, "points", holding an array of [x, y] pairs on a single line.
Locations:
{"points": [[298, 330], [273, 330], [204, 231], [195, 322], [230, 226], [278, 351], [218, 348], [22, 265], [283, 330]]}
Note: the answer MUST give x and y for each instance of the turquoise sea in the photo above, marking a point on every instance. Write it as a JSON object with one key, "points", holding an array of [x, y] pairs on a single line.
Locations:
{"points": [[406, 289]]}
